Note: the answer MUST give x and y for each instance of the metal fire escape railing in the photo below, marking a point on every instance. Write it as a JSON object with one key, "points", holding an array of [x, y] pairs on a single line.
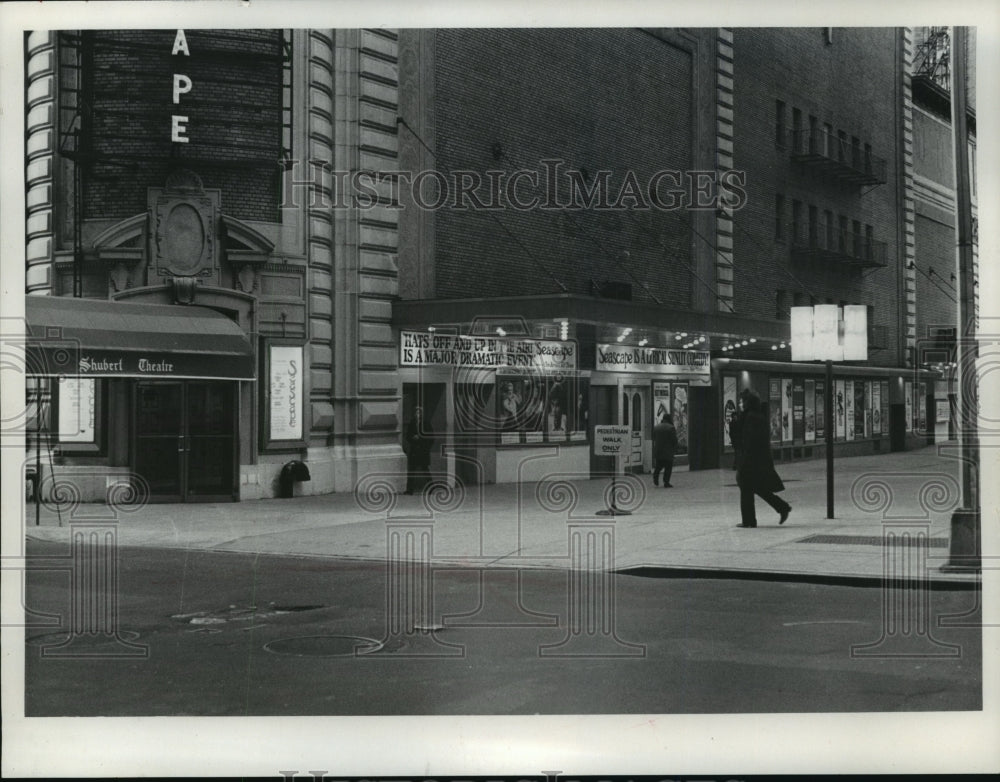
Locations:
{"points": [[73, 50], [834, 157], [823, 242]]}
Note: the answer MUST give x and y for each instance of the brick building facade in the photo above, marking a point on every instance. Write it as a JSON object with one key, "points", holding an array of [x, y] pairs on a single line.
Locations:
{"points": [[528, 233], [811, 123]]}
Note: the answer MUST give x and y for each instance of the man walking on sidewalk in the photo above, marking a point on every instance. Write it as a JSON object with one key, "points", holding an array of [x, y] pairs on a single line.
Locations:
{"points": [[755, 470], [664, 448]]}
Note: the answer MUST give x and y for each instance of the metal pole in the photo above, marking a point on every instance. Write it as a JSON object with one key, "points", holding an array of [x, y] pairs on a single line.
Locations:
{"points": [[828, 403], [965, 524], [38, 460]]}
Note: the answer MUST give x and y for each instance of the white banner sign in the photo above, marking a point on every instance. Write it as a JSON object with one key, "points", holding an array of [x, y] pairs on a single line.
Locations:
{"points": [[286, 392], [76, 410], [690, 365], [611, 440], [424, 349]]}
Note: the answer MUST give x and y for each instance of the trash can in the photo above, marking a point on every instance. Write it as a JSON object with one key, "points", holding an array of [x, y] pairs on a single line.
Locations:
{"points": [[293, 471]]}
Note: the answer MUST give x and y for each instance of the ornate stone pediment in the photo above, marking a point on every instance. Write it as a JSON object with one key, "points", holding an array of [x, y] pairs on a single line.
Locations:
{"points": [[246, 251], [120, 248]]}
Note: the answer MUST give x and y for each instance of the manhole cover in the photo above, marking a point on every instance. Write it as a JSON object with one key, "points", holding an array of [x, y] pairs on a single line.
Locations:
{"points": [[324, 646]]}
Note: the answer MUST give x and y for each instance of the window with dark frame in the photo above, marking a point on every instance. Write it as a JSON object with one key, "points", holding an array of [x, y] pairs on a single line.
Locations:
{"points": [[779, 217]]}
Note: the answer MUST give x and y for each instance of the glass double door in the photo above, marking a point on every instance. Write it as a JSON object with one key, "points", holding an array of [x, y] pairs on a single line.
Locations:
{"points": [[184, 439]]}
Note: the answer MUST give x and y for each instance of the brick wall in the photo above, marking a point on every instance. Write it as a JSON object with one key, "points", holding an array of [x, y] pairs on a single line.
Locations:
{"points": [[851, 83], [936, 291], [233, 110], [616, 100]]}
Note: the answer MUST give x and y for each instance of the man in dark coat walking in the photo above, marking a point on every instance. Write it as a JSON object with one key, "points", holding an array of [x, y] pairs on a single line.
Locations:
{"points": [[755, 470], [664, 448], [417, 443]]}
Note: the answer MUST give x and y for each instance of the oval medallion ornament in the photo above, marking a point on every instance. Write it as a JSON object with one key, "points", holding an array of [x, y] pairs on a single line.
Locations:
{"points": [[183, 240]]}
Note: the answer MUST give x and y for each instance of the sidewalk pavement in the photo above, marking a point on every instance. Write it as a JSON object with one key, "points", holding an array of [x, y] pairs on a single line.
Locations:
{"points": [[690, 528]]}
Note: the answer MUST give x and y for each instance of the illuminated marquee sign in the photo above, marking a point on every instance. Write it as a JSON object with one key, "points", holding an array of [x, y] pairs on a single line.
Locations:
{"points": [[425, 349], [690, 365]]}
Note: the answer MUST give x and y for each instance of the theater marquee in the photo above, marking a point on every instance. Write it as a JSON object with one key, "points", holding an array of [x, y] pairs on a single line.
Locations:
{"points": [[427, 349], [690, 365]]}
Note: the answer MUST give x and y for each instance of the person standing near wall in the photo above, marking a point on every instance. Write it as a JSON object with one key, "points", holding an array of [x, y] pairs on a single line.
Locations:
{"points": [[755, 470], [417, 442], [664, 448]]}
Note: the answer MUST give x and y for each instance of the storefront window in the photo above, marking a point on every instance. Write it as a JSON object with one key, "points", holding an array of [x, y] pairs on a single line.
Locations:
{"points": [[809, 411], [730, 409], [77, 414], [840, 401], [680, 413], [798, 410], [774, 405], [542, 408]]}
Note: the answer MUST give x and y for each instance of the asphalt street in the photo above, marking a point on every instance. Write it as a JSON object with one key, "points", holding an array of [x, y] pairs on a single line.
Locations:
{"points": [[225, 633]]}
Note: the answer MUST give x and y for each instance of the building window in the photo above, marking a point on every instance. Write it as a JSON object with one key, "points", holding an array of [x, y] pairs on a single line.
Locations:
{"points": [[781, 305], [779, 124], [813, 226], [796, 220], [857, 238], [828, 140], [829, 228], [779, 217], [868, 158], [841, 146], [869, 244], [842, 239], [796, 130], [856, 153], [814, 141]]}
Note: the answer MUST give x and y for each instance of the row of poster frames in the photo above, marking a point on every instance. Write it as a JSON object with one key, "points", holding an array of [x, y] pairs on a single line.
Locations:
{"points": [[798, 416]]}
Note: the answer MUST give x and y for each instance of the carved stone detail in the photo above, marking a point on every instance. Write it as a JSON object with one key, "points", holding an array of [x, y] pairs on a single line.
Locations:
{"points": [[118, 277], [246, 278]]}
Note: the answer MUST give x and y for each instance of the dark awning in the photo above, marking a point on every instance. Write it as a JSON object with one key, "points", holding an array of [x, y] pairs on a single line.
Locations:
{"points": [[99, 338]]}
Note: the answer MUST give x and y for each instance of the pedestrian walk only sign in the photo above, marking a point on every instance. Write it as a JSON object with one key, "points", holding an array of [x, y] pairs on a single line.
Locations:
{"points": [[610, 440]]}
